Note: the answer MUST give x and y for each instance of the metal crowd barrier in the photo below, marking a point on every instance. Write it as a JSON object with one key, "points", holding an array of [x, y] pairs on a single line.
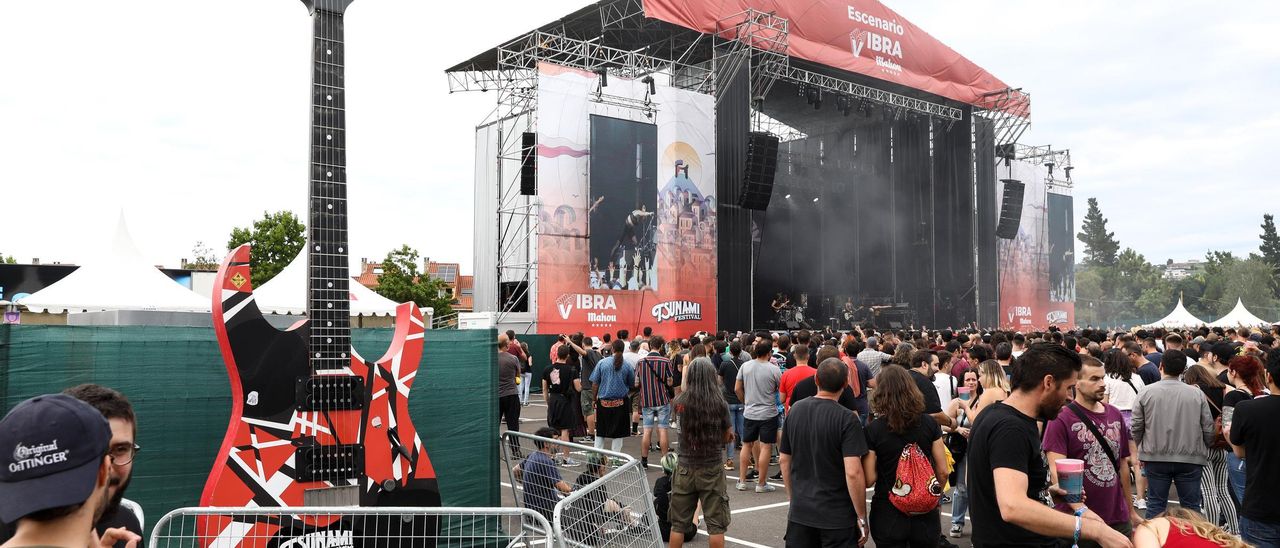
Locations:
{"points": [[611, 506], [351, 527]]}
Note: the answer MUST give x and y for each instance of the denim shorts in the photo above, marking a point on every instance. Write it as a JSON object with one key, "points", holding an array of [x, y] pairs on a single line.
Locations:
{"points": [[656, 416]]}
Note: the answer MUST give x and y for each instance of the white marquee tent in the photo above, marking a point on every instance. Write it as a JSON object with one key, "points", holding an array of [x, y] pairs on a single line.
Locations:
{"points": [[119, 279], [286, 293], [1239, 316], [1178, 319]]}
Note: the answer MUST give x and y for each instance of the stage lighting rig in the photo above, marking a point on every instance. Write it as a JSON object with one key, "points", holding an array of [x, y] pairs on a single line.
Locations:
{"points": [[648, 80], [814, 95], [843, 104], [603, 73]]}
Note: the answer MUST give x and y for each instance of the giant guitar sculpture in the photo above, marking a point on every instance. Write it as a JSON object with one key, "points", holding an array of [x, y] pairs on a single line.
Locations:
{"points": [[312, 422]]}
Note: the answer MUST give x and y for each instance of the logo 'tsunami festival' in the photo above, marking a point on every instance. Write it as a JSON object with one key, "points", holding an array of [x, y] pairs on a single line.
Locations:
{"points": [[677, 311], [888, 45]]}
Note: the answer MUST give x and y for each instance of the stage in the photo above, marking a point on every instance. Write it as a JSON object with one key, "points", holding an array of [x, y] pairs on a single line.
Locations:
{"points": [[615, 188]]}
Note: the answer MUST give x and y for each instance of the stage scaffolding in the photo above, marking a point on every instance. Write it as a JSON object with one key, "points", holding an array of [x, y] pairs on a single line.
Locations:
{"points": [[616, 37]]}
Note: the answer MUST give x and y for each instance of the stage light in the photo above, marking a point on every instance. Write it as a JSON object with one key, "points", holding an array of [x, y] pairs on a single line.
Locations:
{"points": [[843, 104], [787, 196], [815, 97], [815, 200], [653, 90], [603, 73], [1067, 170]]}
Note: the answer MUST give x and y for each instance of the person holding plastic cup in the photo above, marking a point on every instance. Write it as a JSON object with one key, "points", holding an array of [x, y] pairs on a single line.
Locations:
{"points": [[1081, 464], [957, 441]]}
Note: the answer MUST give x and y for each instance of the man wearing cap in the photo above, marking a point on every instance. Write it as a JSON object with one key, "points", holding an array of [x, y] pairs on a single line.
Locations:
{"points": [[115, 407], [55, 473]]}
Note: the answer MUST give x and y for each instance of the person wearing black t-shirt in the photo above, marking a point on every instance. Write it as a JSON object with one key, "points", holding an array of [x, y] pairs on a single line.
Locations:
{"points": [[559, 382], [1008, 474], [900, 421], [808, 388], [819, 455], [924, 364], [1255, 439]]}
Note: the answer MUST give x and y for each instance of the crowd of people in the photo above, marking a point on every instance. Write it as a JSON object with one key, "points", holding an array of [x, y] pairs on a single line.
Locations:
{"points": [[1055, 438]]}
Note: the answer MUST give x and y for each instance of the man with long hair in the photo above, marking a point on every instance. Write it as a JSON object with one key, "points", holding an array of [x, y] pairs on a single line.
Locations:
{"points": [[1008, 474], [704, 429]]}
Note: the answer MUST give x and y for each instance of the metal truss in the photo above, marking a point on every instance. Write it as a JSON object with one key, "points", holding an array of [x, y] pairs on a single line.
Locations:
{"points": [[1045, 155], [836, 85], [758, 40], [1009, 111]]}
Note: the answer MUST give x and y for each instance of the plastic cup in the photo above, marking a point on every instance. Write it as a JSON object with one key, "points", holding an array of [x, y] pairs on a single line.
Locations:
{"points": [[1227, 414], [964, 393], [1071, 478]]}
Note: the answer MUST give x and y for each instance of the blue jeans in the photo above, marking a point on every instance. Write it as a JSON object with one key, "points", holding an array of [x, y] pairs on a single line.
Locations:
{"points": [[1260, 533], [1235, 472], [735, 418], [960, 495], [1160, 475], [526, 379]]}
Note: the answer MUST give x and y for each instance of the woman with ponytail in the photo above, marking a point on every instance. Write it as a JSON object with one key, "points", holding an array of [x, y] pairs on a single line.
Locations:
{"points": [[613, 379]]}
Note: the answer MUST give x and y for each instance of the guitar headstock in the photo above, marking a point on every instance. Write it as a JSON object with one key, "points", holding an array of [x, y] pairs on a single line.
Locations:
{"points": [[333, 6]]}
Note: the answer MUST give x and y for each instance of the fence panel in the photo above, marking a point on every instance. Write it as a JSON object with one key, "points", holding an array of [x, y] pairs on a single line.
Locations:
{"points": [[610, 503], [349, 527]]}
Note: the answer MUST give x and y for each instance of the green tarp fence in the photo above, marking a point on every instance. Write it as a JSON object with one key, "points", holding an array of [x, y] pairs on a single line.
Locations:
{"points": [[178, 385]]}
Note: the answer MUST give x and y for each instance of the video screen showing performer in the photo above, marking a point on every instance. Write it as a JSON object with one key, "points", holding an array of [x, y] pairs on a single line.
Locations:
{"points": [[624, 205]]}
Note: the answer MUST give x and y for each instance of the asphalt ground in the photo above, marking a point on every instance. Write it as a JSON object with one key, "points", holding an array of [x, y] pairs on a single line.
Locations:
{"points": [[759, 519]]}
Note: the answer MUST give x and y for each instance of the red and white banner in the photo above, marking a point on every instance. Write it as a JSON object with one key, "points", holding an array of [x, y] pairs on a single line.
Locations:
{"points": [[861, 36], [627, 230], [1028, 299]]}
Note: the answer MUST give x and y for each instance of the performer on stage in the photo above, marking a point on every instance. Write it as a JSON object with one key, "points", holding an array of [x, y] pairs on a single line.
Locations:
{"points": [[634, 251]]}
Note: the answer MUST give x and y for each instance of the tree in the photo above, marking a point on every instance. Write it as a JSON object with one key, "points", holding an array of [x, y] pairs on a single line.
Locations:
{"points": [[1100, 246], [1270, 241], [203, 258], [1270, 249], [401, 282], [8, 259], [276, 237]]}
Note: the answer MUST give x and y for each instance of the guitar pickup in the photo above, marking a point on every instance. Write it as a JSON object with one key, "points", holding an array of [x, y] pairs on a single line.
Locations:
{"points": [[330, 393], [332, 463]]}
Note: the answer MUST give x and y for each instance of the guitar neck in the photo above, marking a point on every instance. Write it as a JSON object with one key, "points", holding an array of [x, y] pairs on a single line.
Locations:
{"points": [[328, 304]]}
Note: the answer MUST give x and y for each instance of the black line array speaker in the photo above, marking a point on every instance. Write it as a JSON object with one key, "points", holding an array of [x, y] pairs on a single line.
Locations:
{"points": [[762, 162], [528, 163], [1010, 209]]}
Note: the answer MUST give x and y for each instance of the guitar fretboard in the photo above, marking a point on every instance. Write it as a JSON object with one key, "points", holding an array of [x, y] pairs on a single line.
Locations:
{"points": [[328, 304]]}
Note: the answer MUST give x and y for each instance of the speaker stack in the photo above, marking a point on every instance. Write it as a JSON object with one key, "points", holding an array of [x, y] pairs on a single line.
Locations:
{"points": [[1010, 209], [762, 162], [528, 164]]}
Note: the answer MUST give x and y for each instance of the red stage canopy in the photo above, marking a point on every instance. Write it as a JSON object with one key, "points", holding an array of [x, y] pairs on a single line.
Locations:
{"points": [[861, 36]]}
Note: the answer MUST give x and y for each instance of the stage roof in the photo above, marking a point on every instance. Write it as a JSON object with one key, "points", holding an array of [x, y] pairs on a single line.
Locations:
{"points": [[853, 37]]}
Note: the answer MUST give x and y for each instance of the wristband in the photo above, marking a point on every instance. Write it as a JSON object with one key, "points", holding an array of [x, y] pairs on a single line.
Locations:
{"points": [[1075, 538]]}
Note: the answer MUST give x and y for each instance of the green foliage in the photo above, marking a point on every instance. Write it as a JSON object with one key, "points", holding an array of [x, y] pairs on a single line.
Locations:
{"points": [[401, 282], [203, 258], [276, 237], [1270, 247], [8, 259], [1100, 246]]}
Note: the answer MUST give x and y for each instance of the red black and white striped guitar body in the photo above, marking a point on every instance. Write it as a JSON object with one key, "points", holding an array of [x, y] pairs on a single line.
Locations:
{"points": [[312, 422]]}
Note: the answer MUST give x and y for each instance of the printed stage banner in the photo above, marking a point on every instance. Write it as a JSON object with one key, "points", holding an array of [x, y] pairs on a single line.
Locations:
{"points": [[626, 181], [1037, 285], [860, 36]]}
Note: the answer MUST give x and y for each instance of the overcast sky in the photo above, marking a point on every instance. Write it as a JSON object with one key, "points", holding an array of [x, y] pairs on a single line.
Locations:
{"points": [[192, 116]]}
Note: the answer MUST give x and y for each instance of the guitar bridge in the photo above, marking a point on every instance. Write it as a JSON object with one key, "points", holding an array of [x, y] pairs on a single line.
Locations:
{"points": [[332, 463], [330, 393]]}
